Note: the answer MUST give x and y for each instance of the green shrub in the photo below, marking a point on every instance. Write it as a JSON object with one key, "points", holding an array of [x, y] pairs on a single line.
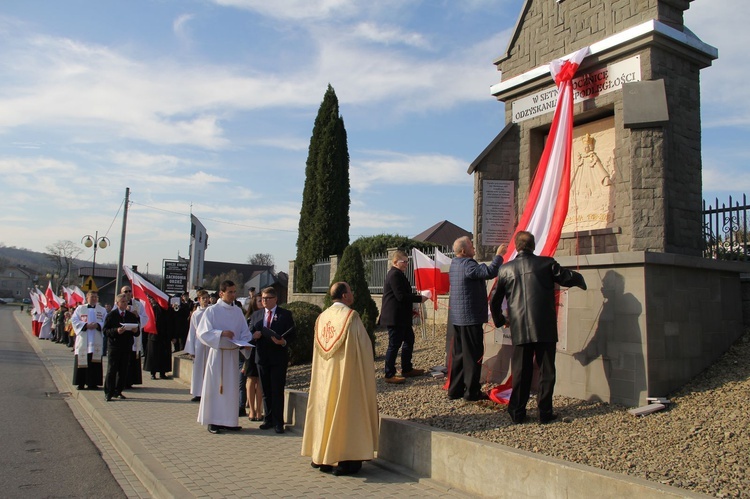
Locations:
{"points": [[305, 314]]}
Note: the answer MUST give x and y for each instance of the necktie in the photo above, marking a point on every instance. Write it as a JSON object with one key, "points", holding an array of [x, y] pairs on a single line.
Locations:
{"points": [[122, 314], [268, 321]]}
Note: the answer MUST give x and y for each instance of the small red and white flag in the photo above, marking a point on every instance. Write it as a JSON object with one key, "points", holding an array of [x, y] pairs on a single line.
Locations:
{"points": [[443, 266], [547, 205], [425, 274]]}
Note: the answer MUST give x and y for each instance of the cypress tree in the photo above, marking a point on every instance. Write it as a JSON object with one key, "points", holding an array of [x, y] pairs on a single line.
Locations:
{"points": [[324, 216], [351, 269]]}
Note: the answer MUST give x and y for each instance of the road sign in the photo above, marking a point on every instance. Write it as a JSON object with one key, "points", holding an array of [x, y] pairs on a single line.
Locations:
{"points": [[89, 285]]}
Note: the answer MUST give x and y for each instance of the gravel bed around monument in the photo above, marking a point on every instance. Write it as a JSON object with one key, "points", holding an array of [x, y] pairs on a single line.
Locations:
{"points": [[700, 443]]}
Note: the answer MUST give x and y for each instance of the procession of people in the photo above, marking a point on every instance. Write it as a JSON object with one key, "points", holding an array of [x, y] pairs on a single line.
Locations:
{"points": [[241, 355]]}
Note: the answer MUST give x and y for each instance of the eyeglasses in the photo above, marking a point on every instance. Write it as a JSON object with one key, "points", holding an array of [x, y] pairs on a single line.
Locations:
{"points": [[402, 261], [127, 291], [268, 298]]}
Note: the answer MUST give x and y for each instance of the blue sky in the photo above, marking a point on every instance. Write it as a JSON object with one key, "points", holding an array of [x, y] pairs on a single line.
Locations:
{"points": [[208, 105]]}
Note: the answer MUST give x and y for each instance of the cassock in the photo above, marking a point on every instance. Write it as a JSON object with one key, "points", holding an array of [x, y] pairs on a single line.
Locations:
{"points": [[220, 397], [196, 348], [341, 423], [135, 376], [89, 345]]}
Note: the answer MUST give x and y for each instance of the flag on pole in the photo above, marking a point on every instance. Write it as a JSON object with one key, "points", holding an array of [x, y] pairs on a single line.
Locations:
{"points": [[424, 274], [142, 290], [547, 205], [53, 302], [79, 297]]}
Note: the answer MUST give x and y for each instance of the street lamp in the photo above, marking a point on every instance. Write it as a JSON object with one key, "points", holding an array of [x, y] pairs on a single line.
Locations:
{"points": [[97, 242]]}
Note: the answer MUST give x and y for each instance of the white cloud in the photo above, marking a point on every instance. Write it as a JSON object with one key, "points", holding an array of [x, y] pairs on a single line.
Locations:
{"points": [[180, 26], [403, 169], [297, 10], [388, 35]]}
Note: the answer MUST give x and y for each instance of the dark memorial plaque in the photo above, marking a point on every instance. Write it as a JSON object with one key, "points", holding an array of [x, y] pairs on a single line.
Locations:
{"points": [[175, 277]]}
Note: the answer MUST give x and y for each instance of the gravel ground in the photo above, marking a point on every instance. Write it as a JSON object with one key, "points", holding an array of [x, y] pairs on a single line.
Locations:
{"points": [[700, 443]]}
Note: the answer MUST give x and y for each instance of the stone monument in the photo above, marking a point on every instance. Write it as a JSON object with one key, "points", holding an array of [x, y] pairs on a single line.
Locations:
{"points": [[656, 313]]}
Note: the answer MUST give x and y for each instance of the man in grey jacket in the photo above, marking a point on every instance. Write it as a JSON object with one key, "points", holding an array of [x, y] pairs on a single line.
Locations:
{"points": [[467, 313], [528, 283]]}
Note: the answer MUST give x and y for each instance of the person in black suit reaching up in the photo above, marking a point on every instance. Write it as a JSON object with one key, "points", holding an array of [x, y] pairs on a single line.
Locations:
{"points": [[119, 346], [273, 329]]}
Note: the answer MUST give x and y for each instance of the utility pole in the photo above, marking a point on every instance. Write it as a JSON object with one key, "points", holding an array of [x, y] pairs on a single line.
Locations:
{"points": [[122, 241]]}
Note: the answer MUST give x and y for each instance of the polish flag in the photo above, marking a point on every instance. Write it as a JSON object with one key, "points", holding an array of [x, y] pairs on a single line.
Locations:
{"points": [[142, 290], [78, 296], [547, 205], [68, 296], [425, 274], [53, 301], [443, 266]]}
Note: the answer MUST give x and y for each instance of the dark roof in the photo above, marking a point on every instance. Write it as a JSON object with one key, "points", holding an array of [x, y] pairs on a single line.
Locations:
{"points": [[247, 270], [489, 147], [443, 233], [102, 271]]}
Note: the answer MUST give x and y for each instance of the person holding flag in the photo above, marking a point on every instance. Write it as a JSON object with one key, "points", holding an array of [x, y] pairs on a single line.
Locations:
{"points": [[467, 312], [396, 315]]}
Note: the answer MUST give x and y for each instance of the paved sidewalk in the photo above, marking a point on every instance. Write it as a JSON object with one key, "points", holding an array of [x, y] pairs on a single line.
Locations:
{"points": [[155, 447]]}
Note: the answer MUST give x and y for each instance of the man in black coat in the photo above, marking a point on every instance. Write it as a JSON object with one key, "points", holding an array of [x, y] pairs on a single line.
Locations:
{"points": [[528, 284], [119, 345], [272, 356], [396, 315]]}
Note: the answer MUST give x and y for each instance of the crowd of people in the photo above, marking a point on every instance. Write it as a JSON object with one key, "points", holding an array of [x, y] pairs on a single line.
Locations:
{"points": [[241, 354]]}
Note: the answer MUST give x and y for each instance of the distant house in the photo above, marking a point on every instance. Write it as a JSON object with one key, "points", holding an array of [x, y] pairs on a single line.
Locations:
{"points": [[16, 281], [442, 233]]}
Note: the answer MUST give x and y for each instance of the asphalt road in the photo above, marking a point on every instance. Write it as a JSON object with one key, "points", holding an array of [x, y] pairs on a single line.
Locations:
{"points": [[44, 450]]}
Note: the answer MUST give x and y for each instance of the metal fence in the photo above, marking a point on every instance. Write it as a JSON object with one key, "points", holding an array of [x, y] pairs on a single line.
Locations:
{"points": [[376, 268], [321, 276], [725, 230]]}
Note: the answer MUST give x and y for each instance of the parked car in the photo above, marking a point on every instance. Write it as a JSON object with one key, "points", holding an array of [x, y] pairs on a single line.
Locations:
{"points": [[26, 301]]}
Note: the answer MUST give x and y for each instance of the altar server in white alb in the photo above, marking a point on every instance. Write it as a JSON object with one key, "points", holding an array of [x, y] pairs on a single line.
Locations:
{"points": [[196, 348], [88, 324], [220, 397]]}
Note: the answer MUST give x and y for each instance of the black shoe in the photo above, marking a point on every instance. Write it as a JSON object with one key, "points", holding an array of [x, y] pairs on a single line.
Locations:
{"points": [[81, 387], [153, 376], [548, 418], [518, 420], [164, 376], [347, 468], [213, 429], [279, 429], [232, 428], [243, 412], [121, 396], [195, 399], [108, 398], [266, 426], [479, 396]]}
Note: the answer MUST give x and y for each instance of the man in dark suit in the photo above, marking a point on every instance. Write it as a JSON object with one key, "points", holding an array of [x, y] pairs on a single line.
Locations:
{"points": [[272, 356], [396, 315], [119, 345], [528, 284]]}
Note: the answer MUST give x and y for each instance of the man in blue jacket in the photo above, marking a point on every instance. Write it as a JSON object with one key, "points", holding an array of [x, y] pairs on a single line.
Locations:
{"points": [[468, 311]]}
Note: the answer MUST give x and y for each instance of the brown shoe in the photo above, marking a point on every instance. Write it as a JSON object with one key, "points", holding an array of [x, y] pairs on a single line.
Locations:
{"points": [[396, 380], [413, 373]]}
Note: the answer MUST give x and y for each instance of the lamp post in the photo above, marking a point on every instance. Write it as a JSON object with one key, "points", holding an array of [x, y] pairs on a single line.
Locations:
{"points": [[97, 242]]}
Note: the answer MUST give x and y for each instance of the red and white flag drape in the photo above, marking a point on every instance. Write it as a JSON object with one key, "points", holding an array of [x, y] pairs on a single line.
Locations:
{"points": [[547, 205], [79, 297], [142, 290], [442, 277]]}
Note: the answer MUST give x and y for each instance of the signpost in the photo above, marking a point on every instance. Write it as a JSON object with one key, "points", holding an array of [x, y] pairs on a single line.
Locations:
{"points": [[175, 277]]}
